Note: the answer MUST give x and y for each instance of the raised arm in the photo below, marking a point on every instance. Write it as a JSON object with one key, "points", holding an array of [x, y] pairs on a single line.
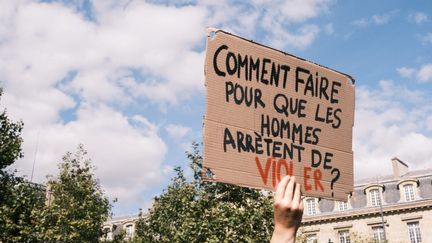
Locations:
{"points": [[288, 210]]}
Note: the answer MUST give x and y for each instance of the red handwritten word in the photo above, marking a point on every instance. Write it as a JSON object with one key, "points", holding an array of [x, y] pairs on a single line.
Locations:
{"points": [[276, 169], [317, 175], [276, 173]]}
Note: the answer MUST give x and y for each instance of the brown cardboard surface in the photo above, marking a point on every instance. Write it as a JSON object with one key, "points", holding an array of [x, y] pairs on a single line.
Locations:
{"points": [[246, 122]]}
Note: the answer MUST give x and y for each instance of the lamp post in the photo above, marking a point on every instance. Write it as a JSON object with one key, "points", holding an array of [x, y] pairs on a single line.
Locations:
{"points": [[382, 221], [382, 213]]}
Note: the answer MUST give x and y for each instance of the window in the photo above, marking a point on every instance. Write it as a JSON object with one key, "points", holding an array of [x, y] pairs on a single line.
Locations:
{"points": [[129, 230], [342, 206], [310, 206], [414, 232], [378, 234], [312, 238], [409, 192], [375, 197], [344, 236]]}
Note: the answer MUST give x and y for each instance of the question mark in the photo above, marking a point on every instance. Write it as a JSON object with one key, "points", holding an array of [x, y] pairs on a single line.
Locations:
{"points": [[335, 170]]}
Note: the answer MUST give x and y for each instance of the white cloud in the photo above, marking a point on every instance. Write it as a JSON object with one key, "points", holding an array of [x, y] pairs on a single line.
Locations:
{"points": [[283, 22], [128, 156], [381, 19], [183, 136], [167, 169], [405, 72], [426, 38], [71, 77], [295, 10], [377, 19], [301, 39], [420, 17], [121, 38], [363, 22], [278, 13], [54, 61], [177, 131], [385, 128], [425, 73], [300, 10], [41, 107]]}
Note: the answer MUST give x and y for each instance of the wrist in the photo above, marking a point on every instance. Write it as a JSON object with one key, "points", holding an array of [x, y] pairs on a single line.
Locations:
{"points": [[285, 235]]}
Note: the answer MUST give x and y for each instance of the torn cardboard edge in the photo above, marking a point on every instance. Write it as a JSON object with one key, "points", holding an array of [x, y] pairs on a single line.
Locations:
{"points": [[211, 30]]}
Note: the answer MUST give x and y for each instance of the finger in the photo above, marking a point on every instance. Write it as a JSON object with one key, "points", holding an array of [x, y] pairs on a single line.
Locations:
{"points": [[280, 190], [296, 198], [289, 190]]}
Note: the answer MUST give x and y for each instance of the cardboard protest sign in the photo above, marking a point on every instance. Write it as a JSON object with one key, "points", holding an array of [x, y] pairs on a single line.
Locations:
{"points": [[269, 113]]}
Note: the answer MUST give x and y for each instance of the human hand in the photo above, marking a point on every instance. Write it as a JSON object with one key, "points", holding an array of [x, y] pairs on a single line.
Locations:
{"points": [[288, 210]]}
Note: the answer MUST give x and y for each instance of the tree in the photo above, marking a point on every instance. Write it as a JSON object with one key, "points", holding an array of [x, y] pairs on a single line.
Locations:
{"points": [[10, 140], [76, 205], [199, 211], [19, 199], [19, 211]]}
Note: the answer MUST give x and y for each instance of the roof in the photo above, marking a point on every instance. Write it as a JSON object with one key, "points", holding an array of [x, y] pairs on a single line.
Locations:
{"points": [[391, 178], [122, 218]]}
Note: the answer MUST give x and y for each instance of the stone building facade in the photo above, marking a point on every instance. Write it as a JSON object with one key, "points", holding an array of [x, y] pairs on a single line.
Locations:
{"points": [[396, 208], [117, 225]]}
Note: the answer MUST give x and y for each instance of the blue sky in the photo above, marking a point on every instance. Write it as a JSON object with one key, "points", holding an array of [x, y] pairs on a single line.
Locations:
{"points": [[125, 78]]}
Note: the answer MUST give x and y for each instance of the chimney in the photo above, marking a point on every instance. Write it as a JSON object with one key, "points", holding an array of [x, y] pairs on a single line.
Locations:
{"points": [[399, 167]]}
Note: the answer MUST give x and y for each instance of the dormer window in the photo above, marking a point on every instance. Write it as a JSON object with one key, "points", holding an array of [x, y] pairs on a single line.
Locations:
{"points": [[374, 194], [408, 190], [342, 206], [375, 197], [311, 207]]}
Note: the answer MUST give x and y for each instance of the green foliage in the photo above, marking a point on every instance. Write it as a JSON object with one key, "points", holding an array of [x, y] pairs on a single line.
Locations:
{"points": [[77, 206], [201, 211], [10, 150], [10, 140], [119, 237], [73, 210], [19, 199], [19, 211]]}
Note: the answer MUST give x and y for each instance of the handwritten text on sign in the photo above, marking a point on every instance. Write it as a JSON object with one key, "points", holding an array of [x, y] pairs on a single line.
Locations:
{"points": [[269, 114]]}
